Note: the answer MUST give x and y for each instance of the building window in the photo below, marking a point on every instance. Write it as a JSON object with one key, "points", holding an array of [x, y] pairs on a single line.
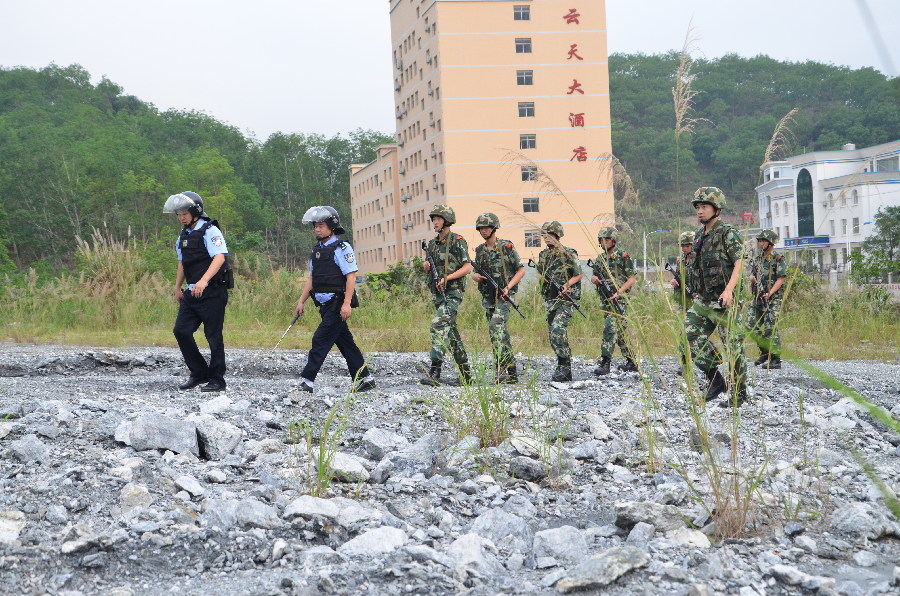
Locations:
{"points": [[787, 231], [830, 200], [855, 225], [524, 77], [787, 208], [527, 141], [833, 231], [776, 209], [889, 164], [844, 227], [526, 109], [523, 45], [530, 205], [532, 238], [843, 200], [855, 197], [776, 174], [529, 173], [521, 13]]}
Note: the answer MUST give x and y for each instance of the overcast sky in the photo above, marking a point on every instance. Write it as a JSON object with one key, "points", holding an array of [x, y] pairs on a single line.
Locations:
{"points": [[324, 67]]}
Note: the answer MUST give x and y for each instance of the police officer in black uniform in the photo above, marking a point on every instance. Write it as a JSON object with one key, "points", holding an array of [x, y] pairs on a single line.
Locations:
{"points": [[203, 263], [332, 286]]}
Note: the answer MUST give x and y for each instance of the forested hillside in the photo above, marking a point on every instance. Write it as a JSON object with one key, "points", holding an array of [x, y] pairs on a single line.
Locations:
{"points": [[76, 156], [739, 102]]}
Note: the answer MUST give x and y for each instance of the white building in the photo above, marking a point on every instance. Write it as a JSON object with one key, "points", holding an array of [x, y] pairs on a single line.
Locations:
{"points": [[822, 204]]}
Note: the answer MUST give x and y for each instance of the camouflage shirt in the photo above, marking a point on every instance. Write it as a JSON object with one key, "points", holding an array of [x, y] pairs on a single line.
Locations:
{"points": [[769, 269], [559, 264], [501, 263], [685, 261], [618, 265], [717, 254], [450, 254]]}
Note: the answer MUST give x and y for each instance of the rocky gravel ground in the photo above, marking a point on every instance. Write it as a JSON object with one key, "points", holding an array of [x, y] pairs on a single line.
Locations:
{"points": [[114, 482]]}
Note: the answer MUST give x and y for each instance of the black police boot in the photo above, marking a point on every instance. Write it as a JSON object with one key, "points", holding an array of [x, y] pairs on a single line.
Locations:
{"points": [[629, 365], [602, 367], [433, 376], [763, 356], [563, 370], [192, 382], [717, 384], [773, 363]]}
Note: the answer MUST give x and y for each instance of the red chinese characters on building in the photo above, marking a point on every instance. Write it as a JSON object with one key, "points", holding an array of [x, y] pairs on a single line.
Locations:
{"points": [[576, 120], [579, 153], [573, 52], [575, 86], [572, 17]]}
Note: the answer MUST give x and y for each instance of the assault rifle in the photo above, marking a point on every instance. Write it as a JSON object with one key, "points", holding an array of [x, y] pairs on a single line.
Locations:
{"points": [[675, 272], [606, 288], [494, 283], [435, 277], [556, 285]]}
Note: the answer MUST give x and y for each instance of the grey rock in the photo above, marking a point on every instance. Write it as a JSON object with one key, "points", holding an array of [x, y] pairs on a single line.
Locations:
{"points": [[459, 457], [227, 513], [313, 559], [471, 550], [29, 449], [603, 569], [348, 468], [189, 484], [216, 476], [863, 520], [508, 532], [134, 495], [56, 514], [640, 535], [865, 558], [520, 505], [217, 438], [422, 553], [378, 541], [308, 506], [378, 442], [586, 450], [794, 528], [663, 517], [418, 458], [566, 544], [161, 432], [599, 429], [788, 575], [527, 468]]}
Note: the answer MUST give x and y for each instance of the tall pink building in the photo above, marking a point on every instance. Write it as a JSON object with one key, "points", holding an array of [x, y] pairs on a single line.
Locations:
{"points": [[501, 106]]}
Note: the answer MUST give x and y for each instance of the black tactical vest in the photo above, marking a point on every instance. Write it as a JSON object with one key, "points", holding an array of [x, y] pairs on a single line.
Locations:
{"points": [[195, 259], [327, 277]]}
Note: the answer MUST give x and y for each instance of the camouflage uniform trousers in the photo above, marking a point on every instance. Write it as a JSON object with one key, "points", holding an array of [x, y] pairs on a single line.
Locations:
{"points": [[701, 320], [444, 333], [559, 313], [763, 323], [498, 328], [615, 329]]}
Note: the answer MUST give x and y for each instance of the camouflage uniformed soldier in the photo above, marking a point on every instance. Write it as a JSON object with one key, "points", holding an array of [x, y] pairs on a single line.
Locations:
{"points": [[716, 273], [499, 259], [768, 273], [614, 275], [451, 255], [684, 265], [560, 264]]}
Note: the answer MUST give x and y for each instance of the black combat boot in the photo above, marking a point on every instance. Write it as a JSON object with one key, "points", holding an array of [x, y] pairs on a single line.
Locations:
{"points": [[507, 376], [740, 398], [717, 384], [629, 365], [465, 374], [773, 363], [433, 376], [602, 367], [763, 356], [563, 370]]}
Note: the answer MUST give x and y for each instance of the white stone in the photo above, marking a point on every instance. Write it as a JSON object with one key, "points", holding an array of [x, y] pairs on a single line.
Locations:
{"points": [[374, 542], [688, 537], [134, 495], [11, 524], [189, 484]]}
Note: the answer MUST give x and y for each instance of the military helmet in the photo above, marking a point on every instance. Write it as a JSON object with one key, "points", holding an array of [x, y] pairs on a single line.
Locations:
{"points": [[327, 214], [686, 238], [444, 211], [709, 194], [768, 235], [553, 227], [185, 201], [487, 220], [611, 233]]}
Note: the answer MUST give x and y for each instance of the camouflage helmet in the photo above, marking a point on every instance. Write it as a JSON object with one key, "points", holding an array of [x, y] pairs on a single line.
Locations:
{"points": [[552, 227], [686, 238], [487, 220], [611, 233], [768, 235], [710, 195], [444, 211]]}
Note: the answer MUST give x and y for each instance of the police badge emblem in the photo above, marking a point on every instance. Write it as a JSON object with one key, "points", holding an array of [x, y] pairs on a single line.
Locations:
{"points": [[348, 257]]}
